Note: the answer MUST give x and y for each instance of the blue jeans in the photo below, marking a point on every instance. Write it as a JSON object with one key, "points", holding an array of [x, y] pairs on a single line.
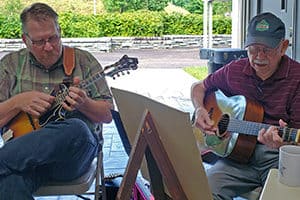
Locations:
{"points": [[60, 151]]}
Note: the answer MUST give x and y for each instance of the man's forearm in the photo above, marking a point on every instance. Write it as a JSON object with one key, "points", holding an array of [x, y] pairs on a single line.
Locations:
{"points": [[8, 110], [197, 94], [97, 110]]}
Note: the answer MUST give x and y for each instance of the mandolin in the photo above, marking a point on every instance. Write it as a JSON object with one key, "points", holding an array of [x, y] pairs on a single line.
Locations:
{"points": [[24, 123]]}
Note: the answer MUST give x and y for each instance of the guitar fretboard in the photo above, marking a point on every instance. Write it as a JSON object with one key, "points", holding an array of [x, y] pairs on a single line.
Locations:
{"points": [[124, 64], [252, 128], [85, 83]]}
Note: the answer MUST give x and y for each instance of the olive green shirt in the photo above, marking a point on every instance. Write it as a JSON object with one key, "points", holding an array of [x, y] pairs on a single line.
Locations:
{"points": [[20, 72]]}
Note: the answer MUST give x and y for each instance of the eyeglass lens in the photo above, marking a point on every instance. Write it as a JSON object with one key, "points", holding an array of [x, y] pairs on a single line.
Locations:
{"points": [[52, 40]]}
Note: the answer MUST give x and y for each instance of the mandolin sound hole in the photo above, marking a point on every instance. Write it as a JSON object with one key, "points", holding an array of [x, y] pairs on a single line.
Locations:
{"points": [[223, 124]]}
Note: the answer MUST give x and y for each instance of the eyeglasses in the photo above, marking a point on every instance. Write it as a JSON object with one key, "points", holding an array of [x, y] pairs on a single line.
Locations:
{"points": [[254, 50], [53, 40]]}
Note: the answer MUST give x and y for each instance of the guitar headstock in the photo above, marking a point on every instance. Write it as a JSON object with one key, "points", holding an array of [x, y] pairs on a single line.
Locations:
{"points": [[124, 64]]}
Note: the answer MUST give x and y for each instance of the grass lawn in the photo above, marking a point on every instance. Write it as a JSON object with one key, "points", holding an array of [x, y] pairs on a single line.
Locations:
{"points": [[197, 72]]}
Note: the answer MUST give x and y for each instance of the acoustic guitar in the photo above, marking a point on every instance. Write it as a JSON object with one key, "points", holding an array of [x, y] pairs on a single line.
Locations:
{"points": [[24, 123], [238, 121]]}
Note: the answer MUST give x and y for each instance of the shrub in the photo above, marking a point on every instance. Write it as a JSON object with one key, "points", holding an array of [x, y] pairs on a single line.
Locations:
{"points": [[10, 26], [79, 25], [130, 24], [139, 23], [190, 24], [221, 24]]}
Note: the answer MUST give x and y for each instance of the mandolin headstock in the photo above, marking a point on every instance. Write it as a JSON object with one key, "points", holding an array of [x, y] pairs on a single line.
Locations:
{"points": [[124, 64]]}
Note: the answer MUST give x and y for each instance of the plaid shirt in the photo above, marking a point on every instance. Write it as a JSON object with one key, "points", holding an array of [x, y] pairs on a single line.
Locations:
{"points": [[20, 72]]}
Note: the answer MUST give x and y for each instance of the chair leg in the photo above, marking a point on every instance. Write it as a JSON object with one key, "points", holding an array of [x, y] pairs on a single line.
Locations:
{"points": [[97, 181], [103, 184]]}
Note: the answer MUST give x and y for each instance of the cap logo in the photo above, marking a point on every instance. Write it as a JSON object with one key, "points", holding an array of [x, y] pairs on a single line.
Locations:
{"points": [[263, 25]]}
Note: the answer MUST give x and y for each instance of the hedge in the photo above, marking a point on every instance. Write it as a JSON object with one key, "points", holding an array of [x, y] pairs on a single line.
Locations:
{"points": [[10, 27], [141, 23]]}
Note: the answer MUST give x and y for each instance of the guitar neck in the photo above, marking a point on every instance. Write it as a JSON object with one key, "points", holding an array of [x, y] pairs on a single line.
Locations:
{"points": [[252, 128], [124, 64], [85, 83]]}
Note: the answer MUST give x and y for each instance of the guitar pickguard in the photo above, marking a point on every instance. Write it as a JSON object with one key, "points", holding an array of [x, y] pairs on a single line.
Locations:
{"points": [[56, 112]]}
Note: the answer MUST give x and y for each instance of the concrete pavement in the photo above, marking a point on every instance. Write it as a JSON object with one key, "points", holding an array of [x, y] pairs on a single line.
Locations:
{"points": [[168, 86], [152, 58]]}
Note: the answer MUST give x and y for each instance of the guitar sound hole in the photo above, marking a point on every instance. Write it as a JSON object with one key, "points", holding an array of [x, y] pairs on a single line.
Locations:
{"points": [[223, 124]]}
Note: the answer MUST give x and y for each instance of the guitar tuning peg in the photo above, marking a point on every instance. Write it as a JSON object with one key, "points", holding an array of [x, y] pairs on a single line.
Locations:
{"points": [[128, 72], [114, 78]]}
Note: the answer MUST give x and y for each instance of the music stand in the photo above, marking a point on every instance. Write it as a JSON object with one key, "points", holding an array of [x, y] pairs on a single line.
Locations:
{"points": [[173, 147]]}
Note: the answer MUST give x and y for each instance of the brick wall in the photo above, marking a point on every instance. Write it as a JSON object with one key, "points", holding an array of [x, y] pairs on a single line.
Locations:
{"points": [[107, 44]]}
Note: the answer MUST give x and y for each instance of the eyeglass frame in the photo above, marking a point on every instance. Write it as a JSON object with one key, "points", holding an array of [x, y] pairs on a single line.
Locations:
{"points": [[53, 40], [266, 50]]}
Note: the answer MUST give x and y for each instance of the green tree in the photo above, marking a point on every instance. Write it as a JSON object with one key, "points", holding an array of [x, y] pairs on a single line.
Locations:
{"points": [[180, 3], [220, 7], [126, 5], [115, 6], [156, 5], [11, 7], [195, 6]]}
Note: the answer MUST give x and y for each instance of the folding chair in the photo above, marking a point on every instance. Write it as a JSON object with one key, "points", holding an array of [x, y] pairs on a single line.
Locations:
{"points": [[81, 185]]}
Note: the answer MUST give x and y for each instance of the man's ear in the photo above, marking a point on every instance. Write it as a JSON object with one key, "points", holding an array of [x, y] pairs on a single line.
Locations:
{"points": [[285, 45], [24, 38], [59, 29]]}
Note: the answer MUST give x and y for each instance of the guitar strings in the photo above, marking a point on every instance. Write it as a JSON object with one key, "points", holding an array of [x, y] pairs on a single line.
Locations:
{"points": [[288, 134]]}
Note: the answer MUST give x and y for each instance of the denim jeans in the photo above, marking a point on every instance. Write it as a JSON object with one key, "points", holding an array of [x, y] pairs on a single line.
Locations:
{"points": [[60, 151]]}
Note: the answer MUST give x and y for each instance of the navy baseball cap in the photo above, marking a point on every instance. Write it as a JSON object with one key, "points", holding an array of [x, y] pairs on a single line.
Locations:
{"points": [[265, 29]]}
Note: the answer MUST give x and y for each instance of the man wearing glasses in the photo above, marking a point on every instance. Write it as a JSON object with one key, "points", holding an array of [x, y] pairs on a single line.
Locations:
{"points": [[267, 77], [62, 149]]}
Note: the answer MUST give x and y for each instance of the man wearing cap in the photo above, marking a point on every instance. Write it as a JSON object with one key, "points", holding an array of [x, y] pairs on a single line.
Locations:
{"points": [[267, 77]]}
